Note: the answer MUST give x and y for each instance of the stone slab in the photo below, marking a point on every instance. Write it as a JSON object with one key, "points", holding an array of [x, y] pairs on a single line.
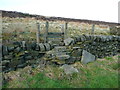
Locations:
{"points": [[63, 57], [60, 48], [69, 41], [87, 57], [68, 69]]}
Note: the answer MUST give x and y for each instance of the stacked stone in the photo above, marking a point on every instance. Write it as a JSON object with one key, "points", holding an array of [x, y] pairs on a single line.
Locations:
{"points": [[21, 54], [58, 55], [100, 46], [64, 55]]}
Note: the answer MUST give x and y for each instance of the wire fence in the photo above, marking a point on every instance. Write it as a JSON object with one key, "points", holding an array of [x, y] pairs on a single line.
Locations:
{"points": [[68, 28]]}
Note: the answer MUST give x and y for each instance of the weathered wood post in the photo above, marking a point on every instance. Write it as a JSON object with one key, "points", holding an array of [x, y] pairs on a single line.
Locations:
{"points": [[66, 29], [63, 30], [46, 32], [93, 29], [38, 33]]}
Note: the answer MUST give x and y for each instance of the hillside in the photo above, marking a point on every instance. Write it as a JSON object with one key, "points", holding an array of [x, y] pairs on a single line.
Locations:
{"points": [[85, 57]]}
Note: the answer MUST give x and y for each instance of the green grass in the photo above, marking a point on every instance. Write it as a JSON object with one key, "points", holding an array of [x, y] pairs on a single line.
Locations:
{"points": [[41, 81], [98, 74], [100, 78]]}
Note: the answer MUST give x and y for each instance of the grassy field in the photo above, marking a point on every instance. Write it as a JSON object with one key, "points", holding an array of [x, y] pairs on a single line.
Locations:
{"points": [[103, 73]]}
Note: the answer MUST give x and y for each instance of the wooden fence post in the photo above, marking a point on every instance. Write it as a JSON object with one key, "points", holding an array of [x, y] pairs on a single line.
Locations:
{"points": [[63, 30], [93, 29], [38, 33], [46, 32], [66, 29]]}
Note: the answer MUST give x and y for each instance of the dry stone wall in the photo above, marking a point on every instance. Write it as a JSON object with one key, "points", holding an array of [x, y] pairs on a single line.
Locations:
{"points": [[98, 45], [85, 48], [22, 54]]}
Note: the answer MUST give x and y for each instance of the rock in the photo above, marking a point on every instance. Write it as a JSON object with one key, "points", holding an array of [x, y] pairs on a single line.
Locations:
{"points": [[28, 57], [49, 54], [17, 50], [6, 71], [71, 60], [63, 57], [11, 48], [1, 58], [47, 46], [8, 57], [75, 48], [60, 48], [33, 45], [14, 63], [11, 69], [17, 43], [61, 44], [42, 64], [5, 50], [78, 39], [5, 62], [60, 53], [37, 47], [21, 65], [24, 45], [22, 59], [82, 38], [28, 46], [40, 54], [87, 57], [68, 69], [33, 66], [42, 47], [77, 53], [69, 41], [75, 40]]}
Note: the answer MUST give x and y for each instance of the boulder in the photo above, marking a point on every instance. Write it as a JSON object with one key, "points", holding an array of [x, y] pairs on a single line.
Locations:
{"points": [[68, 69], [87, 57]]}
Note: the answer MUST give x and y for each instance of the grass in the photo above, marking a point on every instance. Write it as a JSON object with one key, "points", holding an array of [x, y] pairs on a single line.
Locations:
{"points": [[102, 73], [41, 81]]}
